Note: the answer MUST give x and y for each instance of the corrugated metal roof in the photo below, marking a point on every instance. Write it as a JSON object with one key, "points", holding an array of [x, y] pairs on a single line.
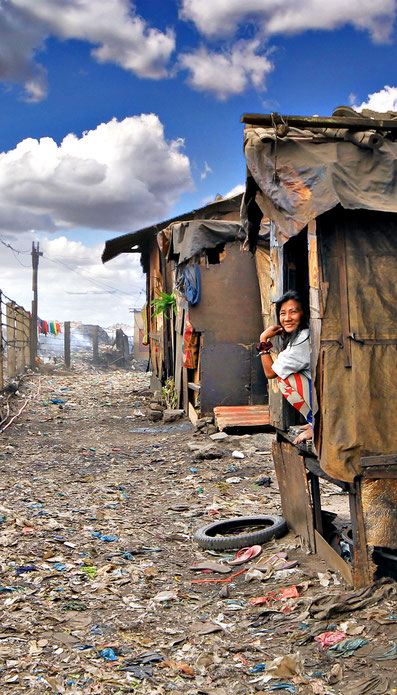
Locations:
{"points": [[241, 416]]}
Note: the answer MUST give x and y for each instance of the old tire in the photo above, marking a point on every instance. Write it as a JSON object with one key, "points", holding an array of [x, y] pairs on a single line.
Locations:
{"points": [[219, 536]]}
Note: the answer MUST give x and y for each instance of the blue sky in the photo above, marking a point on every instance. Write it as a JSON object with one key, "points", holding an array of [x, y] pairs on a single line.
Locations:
{"points": [[81, 158]]}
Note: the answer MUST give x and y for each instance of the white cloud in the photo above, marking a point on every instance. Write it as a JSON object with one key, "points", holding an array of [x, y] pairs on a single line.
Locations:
{"points": [[214, 18], [229, 72], [120, 176], [119, 35], [207, 170], [240, 188], [384, 100], [74, 285]]}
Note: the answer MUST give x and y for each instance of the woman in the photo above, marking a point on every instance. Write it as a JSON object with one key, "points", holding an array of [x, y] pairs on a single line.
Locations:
{"points": [[292, 366]]}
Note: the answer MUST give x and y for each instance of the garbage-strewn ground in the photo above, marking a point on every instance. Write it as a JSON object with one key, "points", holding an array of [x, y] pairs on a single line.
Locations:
{"points": [[98, 510]]}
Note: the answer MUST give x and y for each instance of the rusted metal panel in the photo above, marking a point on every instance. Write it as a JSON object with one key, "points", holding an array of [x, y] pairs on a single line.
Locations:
{"points": [[229, 319], [294, 490], [224, 375], [332, 559], [229, 310], [241, 416], [258, 393]]}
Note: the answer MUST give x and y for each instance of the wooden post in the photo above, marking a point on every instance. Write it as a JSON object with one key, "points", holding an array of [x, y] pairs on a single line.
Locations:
{"points": [[95, 353], [26, 336], [11, 362], [126, 350], [1, 344], [33, 335], [19, 339], [66, 342], [119, 339], [364, 569]]}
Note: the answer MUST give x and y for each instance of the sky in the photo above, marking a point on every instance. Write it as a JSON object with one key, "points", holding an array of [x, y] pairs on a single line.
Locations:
{"points": [[116, 114]]}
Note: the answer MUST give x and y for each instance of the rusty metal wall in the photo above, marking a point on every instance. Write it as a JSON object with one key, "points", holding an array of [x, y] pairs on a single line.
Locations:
{"points": [[225, 375], [230, 305], [229, 318]]}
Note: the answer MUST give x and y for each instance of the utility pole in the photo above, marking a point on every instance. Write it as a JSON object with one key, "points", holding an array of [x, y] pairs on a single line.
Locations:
{"points": [[33, 333]]}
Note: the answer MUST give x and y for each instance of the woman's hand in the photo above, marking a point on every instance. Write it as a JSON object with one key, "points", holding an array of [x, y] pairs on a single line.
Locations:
{"points": [[270, 333]]}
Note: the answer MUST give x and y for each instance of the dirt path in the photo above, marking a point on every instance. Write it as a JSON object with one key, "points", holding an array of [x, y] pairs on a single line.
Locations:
{"points": [[98, 510]]}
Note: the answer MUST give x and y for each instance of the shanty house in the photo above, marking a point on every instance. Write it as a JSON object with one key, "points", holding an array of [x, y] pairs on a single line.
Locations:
{"points": [[207, 344], [329, 188]]}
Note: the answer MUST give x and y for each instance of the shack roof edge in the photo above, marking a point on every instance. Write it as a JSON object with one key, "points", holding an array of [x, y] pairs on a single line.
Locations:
{"points": [[142, 237], [354, 121]]}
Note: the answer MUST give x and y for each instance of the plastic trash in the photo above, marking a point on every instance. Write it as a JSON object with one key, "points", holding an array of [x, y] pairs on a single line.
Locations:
{"points": [[108, 654], [238, 454], [101, 537], [25, 568]]}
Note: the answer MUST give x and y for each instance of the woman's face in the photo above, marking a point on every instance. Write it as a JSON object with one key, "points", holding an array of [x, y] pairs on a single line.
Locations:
{"points": [[291, 315]]}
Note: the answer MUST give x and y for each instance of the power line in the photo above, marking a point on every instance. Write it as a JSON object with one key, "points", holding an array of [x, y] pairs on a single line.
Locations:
{"points": [[9, 246], [98, 283]]}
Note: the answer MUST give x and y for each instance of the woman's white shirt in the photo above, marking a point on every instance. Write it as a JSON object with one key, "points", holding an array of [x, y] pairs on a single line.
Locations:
{"points": [[295, 357]]}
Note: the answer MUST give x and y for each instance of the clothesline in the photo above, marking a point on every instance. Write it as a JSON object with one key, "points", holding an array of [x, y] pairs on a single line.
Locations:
{"points": [[48, 327]]}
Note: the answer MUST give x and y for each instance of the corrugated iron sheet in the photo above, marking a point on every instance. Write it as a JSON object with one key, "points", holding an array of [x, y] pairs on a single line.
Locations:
{"points": [[241, 416]]}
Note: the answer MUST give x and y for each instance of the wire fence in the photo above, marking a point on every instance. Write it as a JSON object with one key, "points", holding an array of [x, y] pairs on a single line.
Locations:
{"points": [[57, 343], [84, 342], [15, 330]]}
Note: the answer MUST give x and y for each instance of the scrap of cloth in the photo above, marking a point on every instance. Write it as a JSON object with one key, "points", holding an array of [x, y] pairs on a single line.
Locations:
{"points": [[191, 346], [325, 607], [297, 389], [192, 283], [372, 685]]}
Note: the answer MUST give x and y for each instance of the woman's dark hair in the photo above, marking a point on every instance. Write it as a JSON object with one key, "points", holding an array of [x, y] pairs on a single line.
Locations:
{"points": [[291, 337]]}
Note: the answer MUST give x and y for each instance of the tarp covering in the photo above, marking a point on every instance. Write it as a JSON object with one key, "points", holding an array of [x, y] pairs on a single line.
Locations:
{"points": [[190, 239], [358, 404], [142, 239], [307, 172]]}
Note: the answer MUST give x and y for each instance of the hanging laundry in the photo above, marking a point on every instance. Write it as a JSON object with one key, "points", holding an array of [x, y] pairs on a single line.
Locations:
{"points": [[191, 346], [42, 326], [192, 283], [52, 327]]}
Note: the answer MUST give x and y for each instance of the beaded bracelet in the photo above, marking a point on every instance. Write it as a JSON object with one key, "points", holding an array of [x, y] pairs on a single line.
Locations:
{"points": [[264, 346]]}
